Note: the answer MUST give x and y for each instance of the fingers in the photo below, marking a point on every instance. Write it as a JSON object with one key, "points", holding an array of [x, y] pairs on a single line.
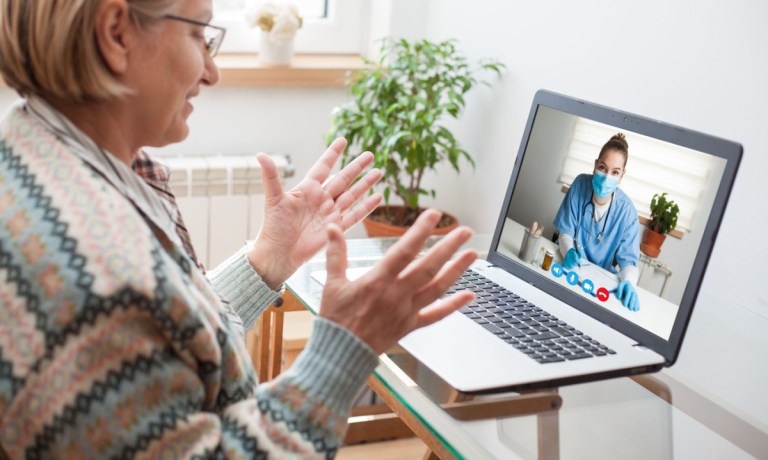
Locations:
{"points": [[324, 165], [358, 213], [336, 253], [427, 268], [339, 183], [443, 308], [632, 304], [273, 187], [349, 197], [446, 278], [408, 246]]}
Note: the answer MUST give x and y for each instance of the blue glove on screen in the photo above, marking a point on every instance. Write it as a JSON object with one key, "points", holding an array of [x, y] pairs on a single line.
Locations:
{"points": [[628, 296], [572, 258]]}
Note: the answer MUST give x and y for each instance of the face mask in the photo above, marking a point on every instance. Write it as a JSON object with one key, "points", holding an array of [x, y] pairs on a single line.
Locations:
{"points": [[604, 185]]}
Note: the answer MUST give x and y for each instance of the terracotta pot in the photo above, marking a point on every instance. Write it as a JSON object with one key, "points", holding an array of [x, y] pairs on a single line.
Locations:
{"points": [[376, 228], [651, 245]]}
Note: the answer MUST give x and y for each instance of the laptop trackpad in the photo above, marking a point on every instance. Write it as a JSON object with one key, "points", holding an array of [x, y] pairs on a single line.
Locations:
{"points": [[467, 356]]}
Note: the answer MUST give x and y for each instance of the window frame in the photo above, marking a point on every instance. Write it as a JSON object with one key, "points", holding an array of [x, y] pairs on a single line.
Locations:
{"points": [[342, 32]]}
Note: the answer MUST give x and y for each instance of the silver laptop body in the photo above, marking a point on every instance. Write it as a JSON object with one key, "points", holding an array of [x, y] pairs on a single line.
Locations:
{"points": [[474, 360]]}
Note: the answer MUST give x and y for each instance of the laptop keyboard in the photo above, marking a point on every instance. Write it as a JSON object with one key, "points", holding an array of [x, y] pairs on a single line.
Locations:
{"points": [[523, 325]]}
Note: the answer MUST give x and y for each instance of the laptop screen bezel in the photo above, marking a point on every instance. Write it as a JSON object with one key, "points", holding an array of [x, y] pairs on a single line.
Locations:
{"points": [[730, 151]]}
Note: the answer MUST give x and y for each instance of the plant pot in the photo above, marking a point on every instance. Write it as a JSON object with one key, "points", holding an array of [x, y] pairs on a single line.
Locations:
{"points": [[651, 245], [275, 53], [375, 227]]}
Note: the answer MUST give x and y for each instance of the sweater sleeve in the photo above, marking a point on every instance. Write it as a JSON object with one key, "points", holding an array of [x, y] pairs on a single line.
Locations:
{"points": [[303, 413], [237, 283]]}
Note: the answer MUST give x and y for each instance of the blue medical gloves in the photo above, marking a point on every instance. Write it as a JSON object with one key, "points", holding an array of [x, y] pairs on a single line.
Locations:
{"points": [[626, 292], [572, 258]]}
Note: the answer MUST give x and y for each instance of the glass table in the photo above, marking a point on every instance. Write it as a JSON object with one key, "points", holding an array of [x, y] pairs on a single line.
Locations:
{"points": [[648, 417]]}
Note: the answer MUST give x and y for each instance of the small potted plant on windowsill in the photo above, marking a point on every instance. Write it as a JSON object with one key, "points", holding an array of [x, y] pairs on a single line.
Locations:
{"points": [[662, 221], [397, 106], [279, 22]]}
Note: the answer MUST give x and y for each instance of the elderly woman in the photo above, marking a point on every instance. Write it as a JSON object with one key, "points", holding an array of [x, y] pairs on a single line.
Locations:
{"points": [[112, 342]]}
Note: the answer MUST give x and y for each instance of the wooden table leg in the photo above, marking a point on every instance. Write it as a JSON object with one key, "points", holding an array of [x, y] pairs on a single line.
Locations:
{"points": [[276, 344], [263, 348]]}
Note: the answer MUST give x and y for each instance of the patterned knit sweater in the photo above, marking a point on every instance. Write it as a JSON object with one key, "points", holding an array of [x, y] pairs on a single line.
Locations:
{"points": [[113, 345]]}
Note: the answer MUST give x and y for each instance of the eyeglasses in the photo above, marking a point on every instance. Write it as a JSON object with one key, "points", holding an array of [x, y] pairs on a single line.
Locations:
{"points": [[213, 35]]}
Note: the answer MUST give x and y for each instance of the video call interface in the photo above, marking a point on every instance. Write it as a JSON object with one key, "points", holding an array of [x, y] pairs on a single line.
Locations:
{"points": [[555, 195]]}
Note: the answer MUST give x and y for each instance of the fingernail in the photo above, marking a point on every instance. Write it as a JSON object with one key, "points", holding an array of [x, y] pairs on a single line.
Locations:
{"points": [[433, 214]]}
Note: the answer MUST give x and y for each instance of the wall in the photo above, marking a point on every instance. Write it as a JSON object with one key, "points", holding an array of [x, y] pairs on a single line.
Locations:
{"points": [[701, 65], [540, 177]]}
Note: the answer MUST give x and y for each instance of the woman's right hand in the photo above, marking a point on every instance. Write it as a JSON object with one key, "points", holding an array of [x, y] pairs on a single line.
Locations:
{"points": [[397, 295]]}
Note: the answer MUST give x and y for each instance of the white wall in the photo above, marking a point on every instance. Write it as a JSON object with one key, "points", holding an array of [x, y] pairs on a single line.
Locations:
{"points": [[702, 65]]}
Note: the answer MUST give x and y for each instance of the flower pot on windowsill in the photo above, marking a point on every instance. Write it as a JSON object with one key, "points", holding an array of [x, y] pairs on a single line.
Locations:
{"points": [[274, 52], [377, 224], [652, 241]]}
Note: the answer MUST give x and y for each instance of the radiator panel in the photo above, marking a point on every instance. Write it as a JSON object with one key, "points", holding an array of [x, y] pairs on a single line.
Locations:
{"points": [[222, 201]]}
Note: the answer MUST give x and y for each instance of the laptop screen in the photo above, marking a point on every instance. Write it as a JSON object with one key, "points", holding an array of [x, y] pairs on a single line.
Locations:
{"points": [[587, 184]]}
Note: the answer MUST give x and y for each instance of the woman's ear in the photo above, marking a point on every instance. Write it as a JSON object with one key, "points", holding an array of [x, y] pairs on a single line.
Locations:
{"points": [[113, 26]]}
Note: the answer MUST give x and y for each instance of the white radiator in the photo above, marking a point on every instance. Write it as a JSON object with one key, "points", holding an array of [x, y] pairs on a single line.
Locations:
{"points": [[221, 198]]}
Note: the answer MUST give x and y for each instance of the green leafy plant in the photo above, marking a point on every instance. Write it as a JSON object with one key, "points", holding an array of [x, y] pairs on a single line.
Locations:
{"points": [[663, 214], [397, 106]]}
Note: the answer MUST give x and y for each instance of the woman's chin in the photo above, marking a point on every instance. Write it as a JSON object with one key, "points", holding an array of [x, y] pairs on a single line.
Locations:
{"points": [[178, 134]]}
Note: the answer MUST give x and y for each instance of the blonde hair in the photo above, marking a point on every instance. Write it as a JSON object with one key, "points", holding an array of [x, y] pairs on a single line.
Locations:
{"points": [[49, 48]]}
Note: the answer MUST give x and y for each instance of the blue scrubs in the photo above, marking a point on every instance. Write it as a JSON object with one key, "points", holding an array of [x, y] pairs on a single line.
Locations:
{"points": [[620, 244]]}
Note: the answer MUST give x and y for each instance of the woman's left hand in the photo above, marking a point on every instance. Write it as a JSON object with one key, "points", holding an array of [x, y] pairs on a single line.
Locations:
{"points": [[295, 221]]}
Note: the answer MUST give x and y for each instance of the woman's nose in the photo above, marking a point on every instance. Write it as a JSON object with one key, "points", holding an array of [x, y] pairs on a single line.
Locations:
{"points": [[211, 75]]}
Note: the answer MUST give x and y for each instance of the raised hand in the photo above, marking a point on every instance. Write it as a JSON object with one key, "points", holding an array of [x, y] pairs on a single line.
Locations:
{"points": [[400, 293], [295, 221]]}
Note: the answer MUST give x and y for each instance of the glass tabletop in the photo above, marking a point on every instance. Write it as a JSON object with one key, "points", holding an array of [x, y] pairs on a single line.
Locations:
{"points": [[644, 417]]}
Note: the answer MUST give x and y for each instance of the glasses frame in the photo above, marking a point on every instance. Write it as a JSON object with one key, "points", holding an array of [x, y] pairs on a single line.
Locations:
{"points": [[216, 33]]}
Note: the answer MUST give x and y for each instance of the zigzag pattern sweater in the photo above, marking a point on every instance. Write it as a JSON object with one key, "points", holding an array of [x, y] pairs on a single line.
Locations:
{"points": [[113, 345]]}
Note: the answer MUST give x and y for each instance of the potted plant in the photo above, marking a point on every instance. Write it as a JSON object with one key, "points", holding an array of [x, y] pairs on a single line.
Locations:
{"points": [[663, 220], [398, 105], [279, 22]]}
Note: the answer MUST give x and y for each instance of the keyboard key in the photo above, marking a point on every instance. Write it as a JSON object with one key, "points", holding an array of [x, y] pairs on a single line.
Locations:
{"points": [[562, 331], [491, 327], [554, 359], [545, 335], [579, 356], [515, 333]]}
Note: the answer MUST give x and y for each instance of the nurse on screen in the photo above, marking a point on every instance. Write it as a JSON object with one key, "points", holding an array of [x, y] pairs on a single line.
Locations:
{"points": [[598, 223]]}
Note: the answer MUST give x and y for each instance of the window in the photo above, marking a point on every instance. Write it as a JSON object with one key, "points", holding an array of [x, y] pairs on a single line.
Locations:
{"points": [[329, 26], [654, 167]]}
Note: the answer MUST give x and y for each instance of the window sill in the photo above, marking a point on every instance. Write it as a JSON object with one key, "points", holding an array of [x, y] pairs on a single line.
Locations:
{"points": [[305, 70]]}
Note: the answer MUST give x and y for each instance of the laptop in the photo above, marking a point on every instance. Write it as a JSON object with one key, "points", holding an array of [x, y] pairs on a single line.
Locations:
{"points": [[536, 324]]}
